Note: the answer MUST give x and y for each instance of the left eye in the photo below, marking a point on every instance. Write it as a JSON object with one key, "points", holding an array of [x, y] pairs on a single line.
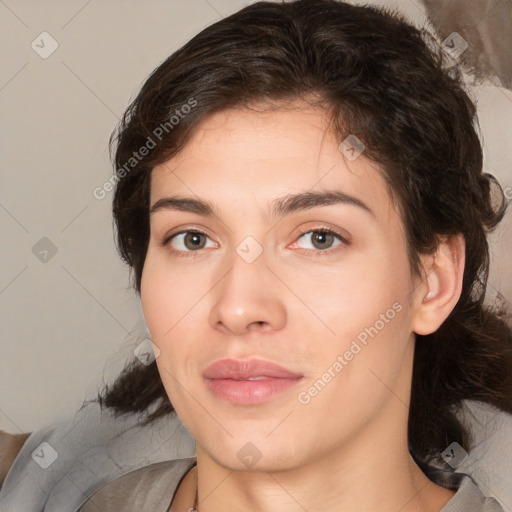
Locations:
{"points": [[321, 239], [189, 241]]}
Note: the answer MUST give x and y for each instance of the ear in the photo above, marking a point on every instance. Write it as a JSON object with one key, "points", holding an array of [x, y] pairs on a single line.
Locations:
{"points": [[441, 285]]}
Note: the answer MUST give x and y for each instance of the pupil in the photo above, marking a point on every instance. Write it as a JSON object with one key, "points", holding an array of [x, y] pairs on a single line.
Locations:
{"points": [[194, 241], [323, 238]]}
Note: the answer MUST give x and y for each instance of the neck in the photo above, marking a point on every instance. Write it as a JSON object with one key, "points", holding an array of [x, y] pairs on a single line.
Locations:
{"points": [[363, 477]]}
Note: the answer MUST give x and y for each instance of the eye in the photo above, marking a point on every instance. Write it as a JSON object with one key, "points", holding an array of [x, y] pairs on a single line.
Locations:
{"points": [[188, 241], [321, 239]]}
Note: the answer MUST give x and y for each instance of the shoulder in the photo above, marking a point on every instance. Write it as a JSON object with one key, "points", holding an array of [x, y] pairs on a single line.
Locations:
{"points": [[61, 465], [150, 488], [470, 499]]}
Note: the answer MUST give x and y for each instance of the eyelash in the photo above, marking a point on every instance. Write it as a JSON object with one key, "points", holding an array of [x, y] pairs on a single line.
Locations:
{"points": [[317, 252]]}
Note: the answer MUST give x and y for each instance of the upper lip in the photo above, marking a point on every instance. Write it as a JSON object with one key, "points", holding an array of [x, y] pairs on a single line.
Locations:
{"points": [[238, 369]]}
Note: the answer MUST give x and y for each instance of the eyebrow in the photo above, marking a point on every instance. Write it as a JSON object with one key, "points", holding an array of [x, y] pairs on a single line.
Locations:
{"points": [[280, 207]]}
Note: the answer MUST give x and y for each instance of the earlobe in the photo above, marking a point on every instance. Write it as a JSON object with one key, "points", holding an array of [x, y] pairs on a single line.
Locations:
{"points": [[441, 286]]}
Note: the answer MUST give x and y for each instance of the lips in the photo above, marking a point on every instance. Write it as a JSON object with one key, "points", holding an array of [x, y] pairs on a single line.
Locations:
{"points": [[241, 370], [248, 382]]}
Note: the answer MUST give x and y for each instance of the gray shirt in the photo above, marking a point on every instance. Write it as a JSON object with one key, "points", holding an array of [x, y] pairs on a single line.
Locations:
{"points": [[152, 489], [95, 462]]}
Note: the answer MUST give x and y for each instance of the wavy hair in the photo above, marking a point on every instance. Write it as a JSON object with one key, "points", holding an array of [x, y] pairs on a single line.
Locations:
{"points": [[386, 82]]}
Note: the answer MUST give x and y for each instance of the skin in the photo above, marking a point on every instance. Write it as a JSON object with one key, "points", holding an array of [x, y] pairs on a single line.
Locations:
{"points": [[299, 304]]}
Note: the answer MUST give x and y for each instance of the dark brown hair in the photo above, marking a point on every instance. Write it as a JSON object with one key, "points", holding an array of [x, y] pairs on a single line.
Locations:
{"points": [[382, 80]]}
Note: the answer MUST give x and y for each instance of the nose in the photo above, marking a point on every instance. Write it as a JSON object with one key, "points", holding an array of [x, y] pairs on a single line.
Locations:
{"points": [[248, 299]]}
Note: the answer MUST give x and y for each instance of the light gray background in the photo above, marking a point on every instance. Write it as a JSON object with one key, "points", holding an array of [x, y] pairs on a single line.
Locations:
{"points": [[61, 320]]}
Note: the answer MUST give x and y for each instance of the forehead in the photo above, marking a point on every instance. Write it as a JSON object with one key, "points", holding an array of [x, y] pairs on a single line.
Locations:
{"points": [[262, 154]]}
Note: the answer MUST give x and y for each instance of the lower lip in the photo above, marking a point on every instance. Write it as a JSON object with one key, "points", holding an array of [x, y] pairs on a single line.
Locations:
{"points": [[249, 392]]}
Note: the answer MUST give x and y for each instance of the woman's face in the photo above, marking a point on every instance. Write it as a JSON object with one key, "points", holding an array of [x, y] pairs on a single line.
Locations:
{"points": [[264, 280]]}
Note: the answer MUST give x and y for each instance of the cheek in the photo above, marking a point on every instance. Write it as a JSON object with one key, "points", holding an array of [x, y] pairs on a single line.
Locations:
{"points": [[168, 297], [362, 291], [352, 374], [173, 311], [367, 311], [159, 307]]}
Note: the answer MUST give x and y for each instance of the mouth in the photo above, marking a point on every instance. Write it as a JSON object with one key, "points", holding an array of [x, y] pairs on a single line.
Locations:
{"points": [[249, 382]]}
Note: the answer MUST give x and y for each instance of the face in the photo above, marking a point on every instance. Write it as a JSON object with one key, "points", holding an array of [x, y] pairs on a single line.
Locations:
{"points": [[287, 250]]}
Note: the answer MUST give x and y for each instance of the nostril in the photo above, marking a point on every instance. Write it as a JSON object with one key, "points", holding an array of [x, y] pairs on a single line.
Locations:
{"points": [[259, 324]]}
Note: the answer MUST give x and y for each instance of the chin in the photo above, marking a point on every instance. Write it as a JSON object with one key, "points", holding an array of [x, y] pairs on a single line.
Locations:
{"points": [[254, 453]]}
